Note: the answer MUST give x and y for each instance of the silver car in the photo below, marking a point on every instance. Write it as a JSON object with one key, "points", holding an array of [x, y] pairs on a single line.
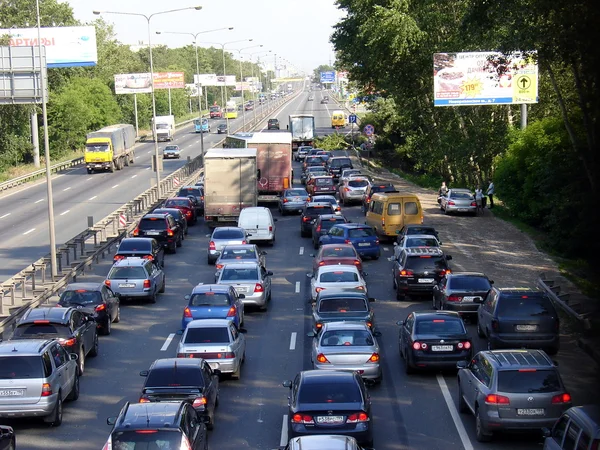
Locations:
{"points": [[323, 442], [245, 253], [352, 189], [347, 173], [302, 152], [337, 209], [415, 240], [221, 237], [458, 201], [292, 200], [252, 280], [335, 277], [172, 151], [217, 341], [36, 376], [347, 346], [136, 278]]}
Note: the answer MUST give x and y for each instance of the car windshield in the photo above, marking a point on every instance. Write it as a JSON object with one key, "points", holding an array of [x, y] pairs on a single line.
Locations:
{"points": [[469, 284], [528, 381], [242, 253], [296, 193], [421, 230], [440, 327], [342, 252], [383, 188], [422, 242], [208, 335], [174, 376], [135, 245], [338, 276], [157, 439], [19, 367], [210, 299], [360, 232], [324, 182], [330, 393], [171, 147], [461, 196], [80, 297], [125, 273], [337, 338], [228, 234], [343, 305], [317, 210], [340, 162], [231, 274], [152, 223], [33, 330], [525, 306], [358, 183], [174, 203], [426, 263]]}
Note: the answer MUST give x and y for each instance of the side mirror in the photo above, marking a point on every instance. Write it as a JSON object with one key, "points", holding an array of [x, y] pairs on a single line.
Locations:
{"points": [[287, 384], [311, 334], [395, 244], [365, 274], [111, 421], [546, 432], [371, 299], [462, 364], [275, 219], [117, 295], [186, 297], [243, 330], [269, 273], [144, 373], [73, 356], [179, 332], [263, 253], [377, 333], [241, 295], [491, 281], [309, 275], [400, 323], [204, 418], [448, 257]]}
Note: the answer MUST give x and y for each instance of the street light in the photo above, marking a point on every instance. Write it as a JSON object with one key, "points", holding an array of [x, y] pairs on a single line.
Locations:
{"points": [[259, 76], [242, 82], [156, 156], [195, 36]]}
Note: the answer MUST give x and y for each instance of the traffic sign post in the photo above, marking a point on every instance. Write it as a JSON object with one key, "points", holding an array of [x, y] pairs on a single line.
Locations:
{"points": [[352, 121], [352, 118], [369, 130]]}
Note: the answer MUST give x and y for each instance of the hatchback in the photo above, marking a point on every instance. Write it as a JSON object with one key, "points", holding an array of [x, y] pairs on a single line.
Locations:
{"points": [[337, 164], [222, 128], [417, 270], [321, 198], [323, 224], [292, 200], [578, 428], [214, 301], [363, 238], [162, 227], [185, 205], [351, 190], [177, 215], [458, 201], [250, 279], [462, 292], [312, 171], [197, 192], [95, 299], [415, 228], [221, 237], [342, 305], [321, 185], [302, 152], [147, 248], [273, 124], [310, 212], [136, 278]]}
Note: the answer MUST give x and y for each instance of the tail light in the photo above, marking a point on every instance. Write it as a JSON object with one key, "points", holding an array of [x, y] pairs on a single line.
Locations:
{"points": [[319, 289], [199, 401], [46, 390], [259, 288], [285, 200], [188, 212], [118, 258], [495, 399], [319, 326], [107, 283], [244, 242], [374, 357], [473, 204], [219, 266], [202, 198], [368, 199], [376, 241], [169, 232], [212, 246], [322, 358], [187, 313], [68, 342], [232, 312], [144, 400], [454, 298], [147, 284], [405, 273], [321, 263], [270, 228], [561, 398], [136, 232], [319, 229], [346, 189], [451, 203], [101, 307], [419, 346], [347, 241], [357, 417], [369, 323], [185, 443], [495, 324], [464, 345], [383, 221], [445, 272], [149, 257], [302, 418], [357, 262], [305, 219]]}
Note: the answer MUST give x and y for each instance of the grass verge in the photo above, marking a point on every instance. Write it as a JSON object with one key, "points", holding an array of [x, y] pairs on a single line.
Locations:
{"points": [[24, 169]]}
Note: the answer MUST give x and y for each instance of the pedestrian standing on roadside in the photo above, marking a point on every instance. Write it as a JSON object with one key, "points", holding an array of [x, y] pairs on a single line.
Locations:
{"points": [[490, 193], [479, 198], [443, 189]]}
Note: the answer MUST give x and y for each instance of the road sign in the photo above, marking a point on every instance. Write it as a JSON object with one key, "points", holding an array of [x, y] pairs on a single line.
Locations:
{"points": [[328, 77], [122, 221], [369, 130], [352, 118]]}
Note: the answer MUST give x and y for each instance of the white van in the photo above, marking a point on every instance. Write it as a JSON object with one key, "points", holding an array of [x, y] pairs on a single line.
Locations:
{"points": [[258, 223]]}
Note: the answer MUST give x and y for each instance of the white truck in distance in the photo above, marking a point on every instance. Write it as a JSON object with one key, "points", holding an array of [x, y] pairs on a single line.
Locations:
{"points": [[164, 128]]}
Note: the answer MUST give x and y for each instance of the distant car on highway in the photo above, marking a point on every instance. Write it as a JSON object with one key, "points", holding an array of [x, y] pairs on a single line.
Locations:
{"points": [[222, 128], [273, 124], [172, 151], [311, 98]]}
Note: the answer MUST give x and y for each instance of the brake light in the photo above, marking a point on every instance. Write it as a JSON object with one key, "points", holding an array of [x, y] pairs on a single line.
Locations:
{"points": [[319, 229], [232, 312], [357, 262], [148, 257], [169, 232], [464, 345], [383, 221], [451, 203], [188, 212], [473, 204], [357, 417], [244, 242], [495, 399], [46, 390], [374, 357], [136, 232], [302, 418], [495, 324], [270, 228], [259, 288], [68, 342], [561, 398], [376, 241], [347, 241], [405, 273], [319, 289], [444, 272], [101, 307], [322, 358], [107, 283], [199, 401], [305, 219], [285, 200], [346, 189], [118, 258], [219, 266], [144, 400], [212, 246], [187, 313], [454, 298], [419, 346], [147, 284]]}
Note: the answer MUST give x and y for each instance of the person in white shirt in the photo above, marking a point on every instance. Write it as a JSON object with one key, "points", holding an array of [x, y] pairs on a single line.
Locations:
{"points": [[490, 193], [479, 198]]}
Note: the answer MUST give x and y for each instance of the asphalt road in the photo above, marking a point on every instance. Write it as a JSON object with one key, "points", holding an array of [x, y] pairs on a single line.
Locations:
{"points": [[410, 412]]}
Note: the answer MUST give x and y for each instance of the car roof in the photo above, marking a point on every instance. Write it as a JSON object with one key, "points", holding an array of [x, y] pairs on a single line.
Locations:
{"points": [[178, 198], [24, 347], [323, 441], [149, 415], [337, 268], [522, 290], [330, 217], [154, 216], [342, 293], [514, 359], [461, 190], [240, 247], [431, 315], [174, 363], [208, 323], [130, 262], [51, 313], [138, 239], [236, 265], [418, 225], [465, 275], [421, 236], [308, 204], [353, 225], [189, 187], [345, 325], [227, 228], [86, 286], [210, 288]]}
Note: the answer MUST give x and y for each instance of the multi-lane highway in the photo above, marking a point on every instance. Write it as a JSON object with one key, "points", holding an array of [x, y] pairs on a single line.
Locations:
{"points": [[410, 411]]}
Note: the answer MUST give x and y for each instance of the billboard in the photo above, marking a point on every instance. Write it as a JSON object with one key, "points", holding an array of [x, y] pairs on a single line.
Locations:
{"points": [[132, 83], [20, 75], [342, 75], [169, 80], [65, 46], [211, 79], [484, 78], [328, 77]]}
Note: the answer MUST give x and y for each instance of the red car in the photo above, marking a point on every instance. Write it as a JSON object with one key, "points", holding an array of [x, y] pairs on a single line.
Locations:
{"points": [[332, 254], [185, 205]]}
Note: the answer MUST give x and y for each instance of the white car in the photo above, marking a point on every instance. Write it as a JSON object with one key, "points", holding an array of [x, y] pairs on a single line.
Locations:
{"points": [[336, 277], [415, 240], [347, 173]]}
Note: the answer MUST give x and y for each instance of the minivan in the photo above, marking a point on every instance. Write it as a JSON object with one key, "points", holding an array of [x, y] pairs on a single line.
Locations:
{"points": [[338, 119], [258, 223], [389, 212]]}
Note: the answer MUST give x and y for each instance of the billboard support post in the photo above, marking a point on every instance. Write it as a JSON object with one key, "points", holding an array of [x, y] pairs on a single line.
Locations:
{"points": [[523, 116], [137, 128], [170, 107], [35, 139]]}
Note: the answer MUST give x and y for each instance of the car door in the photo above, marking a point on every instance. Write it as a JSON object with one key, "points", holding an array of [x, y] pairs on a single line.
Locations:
{"points": [[65, 372], [237, 301], [78, 325], [485, 310], [156, 273], [236, 340], [406, 331], [159, 253], [112, 302], [211, 381], [473, 382], [265, 280]]}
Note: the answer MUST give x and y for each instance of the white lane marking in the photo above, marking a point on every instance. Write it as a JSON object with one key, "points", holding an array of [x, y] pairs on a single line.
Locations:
{"points": [[150, 152], [40, 200], [134, 176], [29, 231], [293, 340], [92, 198], [114, 186], [148, 168], [66, 212], [167, 342], [297, 287], [385, 249], [66, 189], [5, 215], [89, 179], [464, 437], [283, 441], [301, 251]]}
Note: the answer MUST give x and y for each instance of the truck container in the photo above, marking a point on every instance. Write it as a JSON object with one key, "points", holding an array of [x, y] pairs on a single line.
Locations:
{"points": [[110, 148], [164, 129], [229, 184], [274, 161], [302, 127]]}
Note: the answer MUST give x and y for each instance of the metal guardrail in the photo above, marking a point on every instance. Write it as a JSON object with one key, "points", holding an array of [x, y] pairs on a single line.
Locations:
{"points": [[562, 300]]}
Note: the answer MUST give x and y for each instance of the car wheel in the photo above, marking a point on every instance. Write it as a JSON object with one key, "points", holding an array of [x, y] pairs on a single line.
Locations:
{"points": [[74, 394], [164, 286], [55, 417], [462, 405], [400, 296], [480, 332], [94, 350], [106, 329], [480, 432], [81, 362], [179, 241], [152, 298], [118, 316], [236, 375]]}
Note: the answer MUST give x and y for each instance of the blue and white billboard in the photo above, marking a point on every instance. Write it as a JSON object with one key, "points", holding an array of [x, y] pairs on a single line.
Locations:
{"points": [[328, 77]]}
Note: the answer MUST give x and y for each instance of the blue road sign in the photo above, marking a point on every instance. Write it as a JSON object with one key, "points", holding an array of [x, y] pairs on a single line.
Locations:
{"points": [[352, 118], [328, 77], [369, 130]]}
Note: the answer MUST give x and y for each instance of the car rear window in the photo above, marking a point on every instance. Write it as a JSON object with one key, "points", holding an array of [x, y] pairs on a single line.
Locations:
{"points": [[208, 335], [527, 381], [440, 327], [342, 305], [174, 376], [231, 274], [152, 223], [242, 253], [337, 338], [360, 232], [80, 297], [422, 242], [383, 188], [33, 330], [461, 195], [189, 191], [469, 284], [143, 439], [525, 307], [210, 299], [328, 223], [340, 162], [394, 209], [228, 234], [124, 273], [344, 252], [324, 182], [177, 214], [338, 276], [411, 208], [426, 263], [19, 367], [421, 230], [329, 393], [135, 245], [174, 203], [296, 193], [317, 210], [358, 183]]}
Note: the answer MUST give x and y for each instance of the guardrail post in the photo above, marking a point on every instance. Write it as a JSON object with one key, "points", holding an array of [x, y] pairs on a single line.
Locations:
{"points": [[114, 222]]}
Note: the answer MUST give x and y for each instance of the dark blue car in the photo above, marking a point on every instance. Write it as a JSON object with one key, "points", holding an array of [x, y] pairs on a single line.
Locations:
{"points": [[362, 237], [214, 301]]}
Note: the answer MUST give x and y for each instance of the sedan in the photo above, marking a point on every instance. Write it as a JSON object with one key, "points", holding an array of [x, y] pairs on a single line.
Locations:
{"points": [[319, 198], [323, 224], [363, 238], [292, 200], [214, 301], [95, 299], [136, 278], [335, 254], [458, 201], [240, 254], [186, 206], [433, 340], [251, 280], [347, 346], [329, 402], [172, 151], [221, 237], [218, 342], [336, 277], [222, 128], [462, 292]]}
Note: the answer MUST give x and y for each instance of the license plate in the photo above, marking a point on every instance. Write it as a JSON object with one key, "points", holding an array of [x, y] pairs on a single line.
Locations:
{"points": [[328, 420], [462, 209], [526, 327], [297, 199], [468, 299], [363, 244], [12, 392], [442, 348], [126, 285], [152, 233], [530, 412], [240, 289], [426, 280]]}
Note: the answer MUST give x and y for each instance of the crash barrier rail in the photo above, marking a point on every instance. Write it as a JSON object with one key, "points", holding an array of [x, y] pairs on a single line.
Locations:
{"points": [[565, 301]]}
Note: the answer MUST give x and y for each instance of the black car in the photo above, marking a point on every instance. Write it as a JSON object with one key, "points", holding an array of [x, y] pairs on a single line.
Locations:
{"points": [[433, 340], [322, 225], [462, 292], [415, 228], [329, 402], [222, 128], [312, 160], [177, 215], [324, 101], [162, 227], [183, 379], [197, 192], [372, 189], [519, 317], [417, 270], [335, 165], [338, 153], [95, 299], [168, 425], [147, 248], [310, 212], [342, 305], [75, 330], [7, 438]]}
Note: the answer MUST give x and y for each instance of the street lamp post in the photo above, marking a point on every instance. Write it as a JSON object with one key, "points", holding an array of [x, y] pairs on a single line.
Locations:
{"points": [[195, 36], [242, 82], [148, 17], [259, 77]]}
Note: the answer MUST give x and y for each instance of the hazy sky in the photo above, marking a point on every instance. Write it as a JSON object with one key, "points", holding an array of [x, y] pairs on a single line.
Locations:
{"points": [[297, 30]]}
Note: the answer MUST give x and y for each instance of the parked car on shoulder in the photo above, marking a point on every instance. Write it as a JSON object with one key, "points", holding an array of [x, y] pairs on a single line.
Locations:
{"points": [[458, 201]]}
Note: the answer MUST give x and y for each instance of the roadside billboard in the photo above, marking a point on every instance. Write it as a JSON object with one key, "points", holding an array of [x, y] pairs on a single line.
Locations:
{"points": [[328, 77], [65, 46], [169, 80], [132, 83], [211, 79], [484, 78]]}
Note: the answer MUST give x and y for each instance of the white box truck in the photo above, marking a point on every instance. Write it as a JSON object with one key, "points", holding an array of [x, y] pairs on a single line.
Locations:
{"points": [[165, 127]]}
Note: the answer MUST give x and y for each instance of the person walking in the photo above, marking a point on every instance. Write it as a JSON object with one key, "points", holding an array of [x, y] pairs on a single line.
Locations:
{"points": [[490, 193]]}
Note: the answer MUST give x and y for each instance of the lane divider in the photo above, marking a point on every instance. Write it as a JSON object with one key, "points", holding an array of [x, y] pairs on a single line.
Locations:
{"points": [[293, 340], [167, 342], [462, 432]]}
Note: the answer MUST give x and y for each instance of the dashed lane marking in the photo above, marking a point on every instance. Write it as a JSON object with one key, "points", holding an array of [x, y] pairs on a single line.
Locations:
{"points": [[29, 231], [301, 251], [297, 283], [92, 198], [167, 342], [293, 340], [66, 212], [5, 215], [40, 200]]}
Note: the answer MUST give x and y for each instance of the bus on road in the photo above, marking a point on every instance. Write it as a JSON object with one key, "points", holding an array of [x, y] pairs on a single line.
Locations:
{"points": [[231, 110], [202, 127]]}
